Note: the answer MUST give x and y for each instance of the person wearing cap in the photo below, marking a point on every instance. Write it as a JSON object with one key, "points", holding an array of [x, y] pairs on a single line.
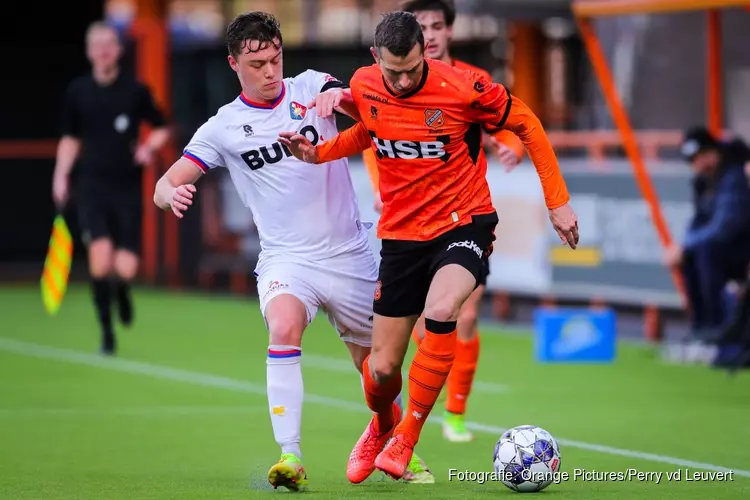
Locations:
{"points": [[716, 248]]}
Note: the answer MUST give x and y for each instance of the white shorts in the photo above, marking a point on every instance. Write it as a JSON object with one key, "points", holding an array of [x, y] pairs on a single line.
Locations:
{"points": [[343, 287]]}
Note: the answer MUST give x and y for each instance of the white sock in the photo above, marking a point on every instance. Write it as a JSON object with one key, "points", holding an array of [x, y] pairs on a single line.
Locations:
{"points": [[285, 394]]}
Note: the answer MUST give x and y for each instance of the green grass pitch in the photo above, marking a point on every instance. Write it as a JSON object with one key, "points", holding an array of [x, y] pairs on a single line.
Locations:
{"points": [[181, 412]]}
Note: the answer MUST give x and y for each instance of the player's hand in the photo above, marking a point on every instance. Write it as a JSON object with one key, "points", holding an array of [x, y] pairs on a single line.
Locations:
{"points": [[300, 146], [378, 205], [508, 158], [182, 198], [326, 102], [144, 155], [60, 188], [565, 222]]}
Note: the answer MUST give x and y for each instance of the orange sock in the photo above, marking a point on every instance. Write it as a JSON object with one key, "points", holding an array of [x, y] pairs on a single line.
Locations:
{"points": [[427, 375], [380, 397], [462, 374]]}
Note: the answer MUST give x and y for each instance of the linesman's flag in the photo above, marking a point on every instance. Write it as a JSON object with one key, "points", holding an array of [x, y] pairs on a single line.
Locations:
{"points": [[57, 266]]}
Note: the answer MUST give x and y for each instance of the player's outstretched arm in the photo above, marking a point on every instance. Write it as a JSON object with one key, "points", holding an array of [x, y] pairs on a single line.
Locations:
{"points": [[350, 142], [492, 105], [175, 190], [527, 126]]}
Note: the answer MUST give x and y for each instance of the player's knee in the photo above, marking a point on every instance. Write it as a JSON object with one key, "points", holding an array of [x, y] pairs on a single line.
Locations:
{"points": [[285, 332], [100, 258], [384, 368], [444, 309], [126, 264], [358, 353], [286, 318]]}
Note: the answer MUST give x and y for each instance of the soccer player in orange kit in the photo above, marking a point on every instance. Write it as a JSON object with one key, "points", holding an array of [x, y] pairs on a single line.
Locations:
{"points": [[424, 120], [436, 17]]}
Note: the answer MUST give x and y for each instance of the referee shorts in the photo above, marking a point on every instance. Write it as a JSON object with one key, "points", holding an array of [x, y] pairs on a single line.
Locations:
{"points": [[112, 214]]}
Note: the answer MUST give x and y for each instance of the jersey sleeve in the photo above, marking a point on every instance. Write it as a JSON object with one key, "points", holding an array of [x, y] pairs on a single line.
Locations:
{"points": [[320, 82], [149, 111], [203, 150], [524, 123], [492, 105], [348, 143], [71, 121]]}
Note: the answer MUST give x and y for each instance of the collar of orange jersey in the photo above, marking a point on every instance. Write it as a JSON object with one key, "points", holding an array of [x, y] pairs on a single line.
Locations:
{"points": [[413, 91], [264, 105]]}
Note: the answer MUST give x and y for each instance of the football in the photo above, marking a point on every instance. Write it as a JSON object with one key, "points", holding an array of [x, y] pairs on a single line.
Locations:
{"points": [[526, 458]]}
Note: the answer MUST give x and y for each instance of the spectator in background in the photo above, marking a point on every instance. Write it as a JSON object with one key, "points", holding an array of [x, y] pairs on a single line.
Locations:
{"points": [[716, 249], [102, 115]]}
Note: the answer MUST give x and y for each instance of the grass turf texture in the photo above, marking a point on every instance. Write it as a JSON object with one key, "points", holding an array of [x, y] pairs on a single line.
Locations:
{"points": [[181, 412]]}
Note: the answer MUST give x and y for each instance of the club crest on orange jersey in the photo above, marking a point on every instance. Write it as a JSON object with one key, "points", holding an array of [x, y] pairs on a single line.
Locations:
{"points": [[297, 111], [434, 118]]}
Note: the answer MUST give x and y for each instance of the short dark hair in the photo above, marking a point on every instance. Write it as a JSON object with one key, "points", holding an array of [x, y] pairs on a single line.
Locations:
{"points": [[259, 26], [398, 32], [447, 7]]}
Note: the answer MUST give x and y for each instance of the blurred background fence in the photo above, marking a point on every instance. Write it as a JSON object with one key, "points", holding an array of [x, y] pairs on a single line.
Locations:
{"points": [[533, 46]]}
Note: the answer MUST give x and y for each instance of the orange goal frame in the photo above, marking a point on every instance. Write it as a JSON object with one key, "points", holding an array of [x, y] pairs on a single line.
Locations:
{"points": [[585, 11]]}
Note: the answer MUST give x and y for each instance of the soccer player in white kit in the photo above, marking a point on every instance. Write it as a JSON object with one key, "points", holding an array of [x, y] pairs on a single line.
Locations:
{"points": [[314, 248]]}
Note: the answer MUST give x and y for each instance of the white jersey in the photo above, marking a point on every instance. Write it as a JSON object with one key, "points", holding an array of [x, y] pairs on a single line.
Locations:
{"points": [[302, 210]]}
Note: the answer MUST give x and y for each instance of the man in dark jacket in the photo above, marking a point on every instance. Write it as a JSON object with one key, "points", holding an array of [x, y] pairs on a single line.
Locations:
{"points": [[716, 249]]}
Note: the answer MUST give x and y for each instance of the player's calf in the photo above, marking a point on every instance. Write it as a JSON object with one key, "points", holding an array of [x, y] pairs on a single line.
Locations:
{"points": [[450, 287], [462, 373], [286, 318], [100, 266], [358, 354], [390, 340], [126, 268]]}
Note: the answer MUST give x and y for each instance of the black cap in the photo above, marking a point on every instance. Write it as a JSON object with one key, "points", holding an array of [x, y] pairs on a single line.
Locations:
{"points": [[697, 139]]}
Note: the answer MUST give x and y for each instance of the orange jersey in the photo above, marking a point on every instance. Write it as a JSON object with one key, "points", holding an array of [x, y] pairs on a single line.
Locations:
{"points": [[428, 143], [505, 137]]}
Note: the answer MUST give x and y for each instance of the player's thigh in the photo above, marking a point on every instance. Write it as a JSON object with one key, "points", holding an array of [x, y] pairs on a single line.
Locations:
{"points": [[288, 300], [403, 278], [352, 284], [400, 293], [390, 341], [460, 266]]}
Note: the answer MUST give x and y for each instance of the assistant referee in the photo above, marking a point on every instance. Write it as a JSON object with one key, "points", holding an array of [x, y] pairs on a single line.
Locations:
{"points": [[102, 114]]}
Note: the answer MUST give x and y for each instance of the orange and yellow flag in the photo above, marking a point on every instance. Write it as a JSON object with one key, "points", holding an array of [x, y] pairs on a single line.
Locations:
{"points": [[57, 266]]}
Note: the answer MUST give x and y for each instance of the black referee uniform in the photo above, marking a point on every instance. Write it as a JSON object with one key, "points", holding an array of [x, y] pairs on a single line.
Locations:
{"points": [[106, 182]]}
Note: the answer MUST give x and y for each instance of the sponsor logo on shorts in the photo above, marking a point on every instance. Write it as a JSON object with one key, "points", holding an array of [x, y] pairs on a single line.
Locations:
{"points": [[467, 244], [275, 286], [378, 289], [368, 325]]}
